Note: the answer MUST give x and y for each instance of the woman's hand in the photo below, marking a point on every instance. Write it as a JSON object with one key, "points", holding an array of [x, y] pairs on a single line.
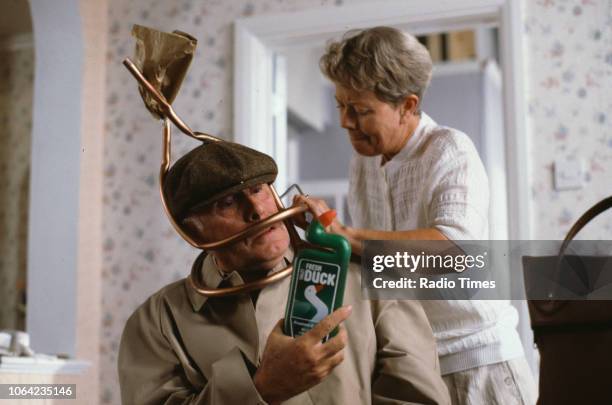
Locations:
{"points": [[318, 206], [356, 236]]}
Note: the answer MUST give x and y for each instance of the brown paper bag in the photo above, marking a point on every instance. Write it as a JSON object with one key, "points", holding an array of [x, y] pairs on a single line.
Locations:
{"points": [[163, 58]]}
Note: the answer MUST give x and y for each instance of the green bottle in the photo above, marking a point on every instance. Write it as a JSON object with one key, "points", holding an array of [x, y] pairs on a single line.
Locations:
{"points": [[318, 278]]}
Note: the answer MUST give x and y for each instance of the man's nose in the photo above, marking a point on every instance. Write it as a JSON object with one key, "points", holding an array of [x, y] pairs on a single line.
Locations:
{"points": [[347, 119], [255, 209]]}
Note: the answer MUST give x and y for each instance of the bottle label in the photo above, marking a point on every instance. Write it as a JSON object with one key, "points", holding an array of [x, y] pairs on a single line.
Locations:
{"points": [[313, 295]]}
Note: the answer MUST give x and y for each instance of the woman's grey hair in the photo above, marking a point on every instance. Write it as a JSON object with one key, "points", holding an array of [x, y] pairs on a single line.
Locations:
{"points": [[384, 60]]}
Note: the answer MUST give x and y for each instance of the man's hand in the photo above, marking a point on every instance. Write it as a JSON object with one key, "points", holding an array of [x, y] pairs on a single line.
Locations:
{"points": [[290, 366]]}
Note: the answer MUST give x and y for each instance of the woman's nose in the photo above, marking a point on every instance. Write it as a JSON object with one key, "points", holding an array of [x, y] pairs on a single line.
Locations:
{"points": [[347, 119]]}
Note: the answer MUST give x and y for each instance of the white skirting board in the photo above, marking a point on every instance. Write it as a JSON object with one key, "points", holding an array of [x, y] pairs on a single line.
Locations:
{"points": [[41, 365]]}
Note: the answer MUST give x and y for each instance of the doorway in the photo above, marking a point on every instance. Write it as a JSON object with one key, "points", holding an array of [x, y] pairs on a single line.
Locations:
{"points": [[465, 93]]}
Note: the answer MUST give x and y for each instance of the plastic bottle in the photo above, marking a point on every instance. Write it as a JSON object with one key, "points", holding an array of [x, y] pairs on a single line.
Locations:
{"points": [[318, 279]]}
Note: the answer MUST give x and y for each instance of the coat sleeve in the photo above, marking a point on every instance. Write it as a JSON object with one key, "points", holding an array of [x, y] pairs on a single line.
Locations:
{"points": [[407, 368], [152, 370]]}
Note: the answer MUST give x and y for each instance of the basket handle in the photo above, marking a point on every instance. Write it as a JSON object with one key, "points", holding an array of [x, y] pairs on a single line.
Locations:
{"points": [[548, 307], [591, 213]]}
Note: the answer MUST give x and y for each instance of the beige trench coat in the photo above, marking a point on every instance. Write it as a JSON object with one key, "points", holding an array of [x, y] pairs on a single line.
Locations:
{"points": [[182, 348]]}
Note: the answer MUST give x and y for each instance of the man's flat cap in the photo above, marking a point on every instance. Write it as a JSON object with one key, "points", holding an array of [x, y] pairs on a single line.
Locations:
{"points": [[214, 170]]}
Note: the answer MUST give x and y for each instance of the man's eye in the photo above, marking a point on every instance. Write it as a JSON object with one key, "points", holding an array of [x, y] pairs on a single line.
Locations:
{"points": [[363, 112], [256, 189], [226, 202]]}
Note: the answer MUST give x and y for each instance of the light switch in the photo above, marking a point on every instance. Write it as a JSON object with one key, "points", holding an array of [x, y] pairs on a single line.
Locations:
{"points": [[568, 173]]}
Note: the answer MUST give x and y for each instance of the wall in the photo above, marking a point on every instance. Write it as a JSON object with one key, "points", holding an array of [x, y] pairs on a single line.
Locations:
{"points": [[306, 86], [54, 179], [322, 154], [569, 76], [442, 103], [65, 204], [568, 69], [17, 71], [89, 260], [65, 188]]}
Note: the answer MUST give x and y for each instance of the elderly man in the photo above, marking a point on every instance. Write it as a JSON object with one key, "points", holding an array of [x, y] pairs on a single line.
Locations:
{"points": [[181, 347]]}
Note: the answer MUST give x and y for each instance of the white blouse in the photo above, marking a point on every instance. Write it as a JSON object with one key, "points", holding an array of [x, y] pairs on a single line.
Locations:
{"points": [[438, 181]]}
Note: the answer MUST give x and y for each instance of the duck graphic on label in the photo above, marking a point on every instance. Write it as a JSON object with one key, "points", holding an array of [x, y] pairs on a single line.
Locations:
{"points": [[310, 293]]}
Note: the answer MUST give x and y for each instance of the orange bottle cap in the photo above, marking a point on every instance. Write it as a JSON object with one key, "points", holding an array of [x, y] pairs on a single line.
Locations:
{"points": [[327, 218]]}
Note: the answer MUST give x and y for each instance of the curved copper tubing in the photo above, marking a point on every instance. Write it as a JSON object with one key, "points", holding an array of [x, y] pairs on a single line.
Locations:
{"points": [[163, 170], [257, 227], [295, 239], [283, 214], [238, 289], [165, 106]]}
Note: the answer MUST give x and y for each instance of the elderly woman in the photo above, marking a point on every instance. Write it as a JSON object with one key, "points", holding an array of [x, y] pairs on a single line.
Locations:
{"points": [[413, 179]]}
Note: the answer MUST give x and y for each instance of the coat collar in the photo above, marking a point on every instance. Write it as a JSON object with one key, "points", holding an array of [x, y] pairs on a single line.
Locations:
{"points": [[205, 268]]}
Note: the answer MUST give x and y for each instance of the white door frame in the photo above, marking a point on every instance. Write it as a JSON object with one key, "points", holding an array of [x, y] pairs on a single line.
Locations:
{"points": [[257, 38]]}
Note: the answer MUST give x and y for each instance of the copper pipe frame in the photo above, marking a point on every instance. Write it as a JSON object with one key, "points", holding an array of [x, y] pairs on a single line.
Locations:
{"points": [[284, 214], [165, 106]]}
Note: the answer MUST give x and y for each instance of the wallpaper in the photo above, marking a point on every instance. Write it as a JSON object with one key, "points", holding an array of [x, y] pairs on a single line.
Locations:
{"points": [[16, 70], [568, 73], [569, 76]]}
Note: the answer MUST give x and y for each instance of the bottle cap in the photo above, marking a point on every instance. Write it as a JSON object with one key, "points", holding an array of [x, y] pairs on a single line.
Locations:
{"points": [[327, 218]]}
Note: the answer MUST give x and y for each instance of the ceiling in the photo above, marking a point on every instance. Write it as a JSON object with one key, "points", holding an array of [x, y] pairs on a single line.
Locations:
{"points": [[15, 18]]}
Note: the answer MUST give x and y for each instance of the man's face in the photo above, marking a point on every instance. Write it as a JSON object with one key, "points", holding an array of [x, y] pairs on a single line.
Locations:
{"points": [[233, 214], [374, 127]]}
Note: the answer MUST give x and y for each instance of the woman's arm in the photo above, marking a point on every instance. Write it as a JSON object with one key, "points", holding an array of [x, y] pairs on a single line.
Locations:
{"points": [[356, 235]]}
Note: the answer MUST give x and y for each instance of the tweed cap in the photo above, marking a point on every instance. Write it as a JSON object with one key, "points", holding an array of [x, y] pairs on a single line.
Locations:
{"points": [[212, 171]]}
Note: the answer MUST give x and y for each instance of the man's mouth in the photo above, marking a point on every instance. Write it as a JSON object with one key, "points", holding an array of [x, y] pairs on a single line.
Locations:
{"points": [[264, 232]]}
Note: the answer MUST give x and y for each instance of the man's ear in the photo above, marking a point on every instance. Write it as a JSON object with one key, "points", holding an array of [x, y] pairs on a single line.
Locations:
{"points": [[409, 106]]}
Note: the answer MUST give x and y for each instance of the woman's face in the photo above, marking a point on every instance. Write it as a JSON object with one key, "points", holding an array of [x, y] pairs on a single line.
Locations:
{"points": [[374, 127]]}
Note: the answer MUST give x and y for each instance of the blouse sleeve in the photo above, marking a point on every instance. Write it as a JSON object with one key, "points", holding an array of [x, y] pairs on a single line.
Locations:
{"points": [[459, 202]]}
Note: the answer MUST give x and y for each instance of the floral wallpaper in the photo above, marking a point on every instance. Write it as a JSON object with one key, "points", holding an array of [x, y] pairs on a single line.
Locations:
{"points": [[16, 70], [568, 73], [569, 77]]}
